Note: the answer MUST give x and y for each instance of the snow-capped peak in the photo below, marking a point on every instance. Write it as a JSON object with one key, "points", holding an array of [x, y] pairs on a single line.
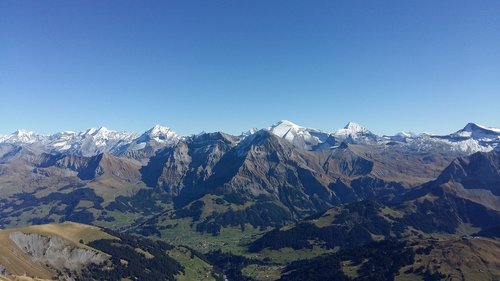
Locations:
{"points": [[352, 129], [286, 123], [474, 127], [298, 135], [476, 131], [159, 130], [159, 134], [23, 133], [355, 133], [22, 136], [286, 129]]}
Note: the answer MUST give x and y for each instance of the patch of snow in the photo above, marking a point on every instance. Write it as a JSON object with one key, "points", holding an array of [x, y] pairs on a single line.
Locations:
{"points": [[66, 147]]}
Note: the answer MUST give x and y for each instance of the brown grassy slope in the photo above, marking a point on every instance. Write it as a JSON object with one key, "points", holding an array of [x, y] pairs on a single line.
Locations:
{"points": [[475, 259]]}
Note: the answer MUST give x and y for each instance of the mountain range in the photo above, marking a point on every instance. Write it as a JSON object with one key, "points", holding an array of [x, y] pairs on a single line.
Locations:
{"points": [[264, 192], [471, 138], [299, 171]]}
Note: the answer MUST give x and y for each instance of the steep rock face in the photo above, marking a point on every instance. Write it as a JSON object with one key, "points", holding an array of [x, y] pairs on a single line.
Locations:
{"points": [[174, 169], [86, 167], [346, 162], [56, 252], [191, 162]]}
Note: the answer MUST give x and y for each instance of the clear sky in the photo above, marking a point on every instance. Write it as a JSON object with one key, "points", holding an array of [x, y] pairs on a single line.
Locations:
{"points": [[419, 65]]}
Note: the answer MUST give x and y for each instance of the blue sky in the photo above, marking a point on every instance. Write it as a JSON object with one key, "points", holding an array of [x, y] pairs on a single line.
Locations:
{"points": [[418, 65]]}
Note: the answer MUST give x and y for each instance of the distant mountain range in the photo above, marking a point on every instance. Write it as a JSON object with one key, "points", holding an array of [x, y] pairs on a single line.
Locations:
{"points": [[471, 138]]}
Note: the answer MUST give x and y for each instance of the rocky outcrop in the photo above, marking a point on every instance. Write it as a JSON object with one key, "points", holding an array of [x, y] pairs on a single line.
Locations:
{"points": [[56, 252]]}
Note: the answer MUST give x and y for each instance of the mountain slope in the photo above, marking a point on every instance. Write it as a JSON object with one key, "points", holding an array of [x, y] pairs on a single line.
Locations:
{"points": [[440, 206]]}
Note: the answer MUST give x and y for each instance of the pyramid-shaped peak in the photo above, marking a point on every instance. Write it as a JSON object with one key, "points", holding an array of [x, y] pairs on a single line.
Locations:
{"points": [[353, 128], [161, 134], [471, 127]]}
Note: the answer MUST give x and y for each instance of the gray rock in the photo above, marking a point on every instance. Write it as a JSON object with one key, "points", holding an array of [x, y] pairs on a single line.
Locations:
{"points": [[56, 252]]}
